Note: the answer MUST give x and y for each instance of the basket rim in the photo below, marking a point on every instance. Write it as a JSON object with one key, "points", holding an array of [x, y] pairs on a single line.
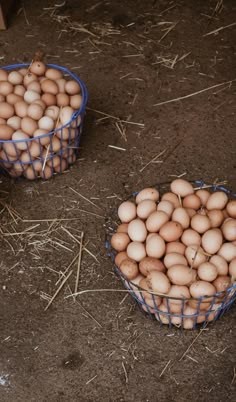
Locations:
{"points": [[201, 185], [75, 115]]}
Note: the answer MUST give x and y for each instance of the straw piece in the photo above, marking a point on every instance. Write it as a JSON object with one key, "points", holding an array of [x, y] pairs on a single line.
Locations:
{"points": [[82, 196], [195, 339], [126, 376], [58, 290], [164, 369], [114, 117], [79, 263], [194, 93], [219, 29], [152, 160]]}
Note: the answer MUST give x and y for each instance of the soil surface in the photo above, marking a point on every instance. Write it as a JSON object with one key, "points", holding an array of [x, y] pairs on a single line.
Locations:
{"points": [[132, 55]]}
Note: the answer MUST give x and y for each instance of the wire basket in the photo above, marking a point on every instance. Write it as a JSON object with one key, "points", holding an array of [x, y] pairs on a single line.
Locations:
{"points": [[206, 308], [50, 153]]}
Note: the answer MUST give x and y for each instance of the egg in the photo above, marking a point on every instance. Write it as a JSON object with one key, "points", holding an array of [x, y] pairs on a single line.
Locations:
{"points": [[31, 96], [62, 167], [212, 241], [6, 132], [148, 264], [181, 216], [37, 165], [137, 230], [55, 145], [38, 68], [216, 217], [49, 99], [229, 229], [202, 288], [30, 174], [3, 121], [76, 101], [222, 283], [166, 206], [62, 99], [121, 256], [147, 194], [19, 90], [53, 74], [122, 228], [171, 259], [55, 161], [231, 208], [191, 201], [156, 220], [232, 269], [52, 111], [158, 282], [3, 75], [227, 251], [181, 187], [35, 111], [40, 103], [6, 88], [46, 173], [23, 71], [34, 86], [203, 194], [35, 150], [171, 231], [176, 293], [200, 223], [217, 200], [153, 301], [180, 274], [175, 247], [200, 306], [22, 137], [25, 157], [162, 315], [145, 208], [61, 82], [191, 212], [11, 150], [136, 251], [171, 197], [195, 255], [72, 87], [190, 236], [126, 211], [129, 268], [6, 110], [28, 78], [155, 246], [49, 86], [120, 241], [207, 272], [28, 125], [13, 98], [15, 78], [44, 139], [21, 108], [66, 114], [220, 264], [46, 123]]}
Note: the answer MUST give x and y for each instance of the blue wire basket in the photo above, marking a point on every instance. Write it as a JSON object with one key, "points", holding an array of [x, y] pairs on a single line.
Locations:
{"points": [[53, 159], [217, 304]]}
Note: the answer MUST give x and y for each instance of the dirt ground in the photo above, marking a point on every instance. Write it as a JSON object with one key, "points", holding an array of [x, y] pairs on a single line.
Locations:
{"points": [[132, 55]]}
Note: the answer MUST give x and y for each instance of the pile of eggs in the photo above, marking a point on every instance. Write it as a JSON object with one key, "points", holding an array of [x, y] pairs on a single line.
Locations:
{"points": [[33, 103], [179, 249]]}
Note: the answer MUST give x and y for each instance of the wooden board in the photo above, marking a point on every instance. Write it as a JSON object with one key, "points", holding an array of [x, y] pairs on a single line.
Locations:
{"points": [[5, 8]]}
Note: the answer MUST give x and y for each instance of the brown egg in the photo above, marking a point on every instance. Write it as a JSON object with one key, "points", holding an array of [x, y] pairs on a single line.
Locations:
{"points": [[171, 197], [35, 149], [145, 208], [202, 288], [212, 241], [207, 272], [203, 194], [62, 167], [180, 275], [61, 82], [21, 108], [49, 99], [45, 140], [155, 246], [228, 251], [11, 150], [23, 71], [156, 220], [46, 123], [55, 144], [28, 125], [38, 68], [190, 236], [6, 132], [15, 78], [195, 255], [41, 103], [191, 201], [28, 78], [54, 162], [122, 228], [171, 259], [129, 268], [37, 165], [220, 264], [147, 194], [22, 137], [191, 212], [66, 114], [6, 88], [171, 231], [181, 216], [216, 217], [126, 210], [14, 122], [13, 98], [3, 121], [19, 90], [31, 96], [120, 241], [52, 111], [137, 230], [34, 86], [181, 187], [25, 157], [222, 283], [229, 229], [49, 86], [3, 75], [217, 200], [30, 174], [232, 269], [53, 74], [6, 110], [175, 247], [121, 256], [158, 282], [72, 87], [76, 101], [231, 208], [166, 206], [177, 293], [200, 223], [148, 264], [35, 111], [62, 100], [136, 250]]}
